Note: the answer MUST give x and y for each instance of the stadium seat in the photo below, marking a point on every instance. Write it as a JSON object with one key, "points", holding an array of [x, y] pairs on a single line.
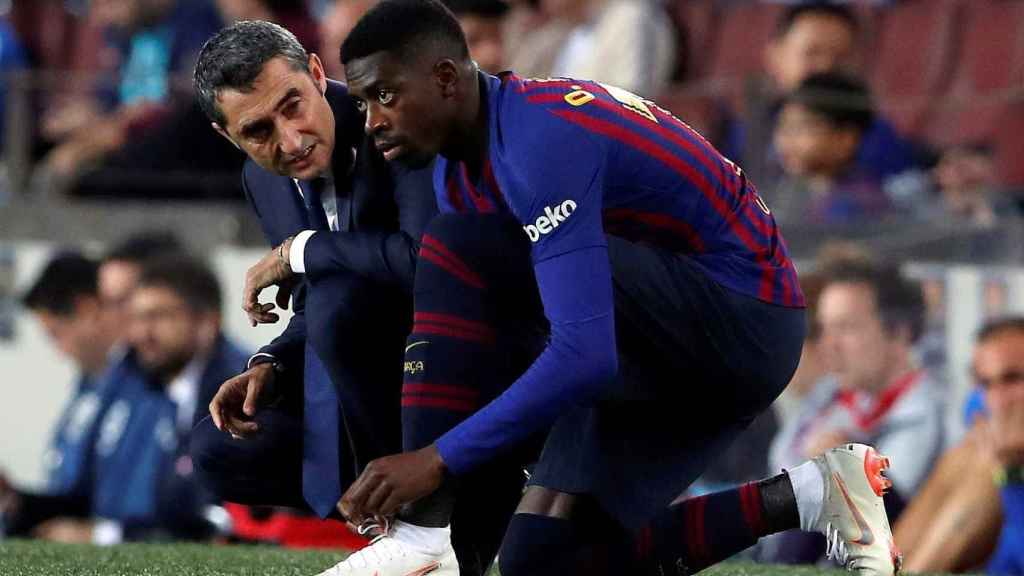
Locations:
{"points": [[744, 31], [913, 52], [991, 57]]}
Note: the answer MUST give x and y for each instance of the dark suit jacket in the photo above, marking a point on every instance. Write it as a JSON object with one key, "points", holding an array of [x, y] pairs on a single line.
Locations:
{"points": [[388, 209]]}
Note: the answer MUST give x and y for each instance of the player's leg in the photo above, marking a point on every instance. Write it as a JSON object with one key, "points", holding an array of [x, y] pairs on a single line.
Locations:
{"points": [[478, 324]]}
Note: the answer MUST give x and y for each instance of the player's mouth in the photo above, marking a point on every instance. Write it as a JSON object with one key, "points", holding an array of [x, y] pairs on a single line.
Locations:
{"points": [[303, 159], [390, 150]]}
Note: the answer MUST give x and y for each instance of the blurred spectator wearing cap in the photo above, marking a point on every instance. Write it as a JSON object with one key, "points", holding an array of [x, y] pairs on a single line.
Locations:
{"points": [[482, 22], [811, 38], [627, 43], [820, 128]]}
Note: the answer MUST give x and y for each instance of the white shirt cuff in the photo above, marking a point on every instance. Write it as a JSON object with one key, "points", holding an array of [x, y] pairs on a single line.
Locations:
{"points": [[297, 253], [248, 364], [107, 533]]}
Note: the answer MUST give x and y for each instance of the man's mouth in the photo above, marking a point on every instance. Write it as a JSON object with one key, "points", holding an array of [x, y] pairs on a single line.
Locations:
{"points": [[390, 150]]}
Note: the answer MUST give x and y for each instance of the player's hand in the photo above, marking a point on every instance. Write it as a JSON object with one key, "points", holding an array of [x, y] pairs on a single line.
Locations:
{"points": [[390, 482], [65, 530], [234, 405], [271, 270], [1006, 425]]}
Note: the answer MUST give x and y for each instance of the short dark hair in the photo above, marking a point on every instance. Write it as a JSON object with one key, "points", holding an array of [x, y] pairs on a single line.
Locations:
{"points": [[235, 56], [403, 28], [139, 248], [898, 299], [67, 277], [819, 7], [482, 8], [843, 99], [1000, 325], [186, 276]]}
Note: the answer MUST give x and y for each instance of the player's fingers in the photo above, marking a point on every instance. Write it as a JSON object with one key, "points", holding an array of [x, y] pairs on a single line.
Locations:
{"points": [[391, 505], [352, 502], [376, 498]]}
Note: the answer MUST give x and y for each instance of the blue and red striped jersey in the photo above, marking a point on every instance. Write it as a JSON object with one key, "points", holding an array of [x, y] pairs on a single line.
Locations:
{"points": [[574, 160]]}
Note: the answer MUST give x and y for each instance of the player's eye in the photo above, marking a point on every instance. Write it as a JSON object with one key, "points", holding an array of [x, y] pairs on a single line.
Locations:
{"points": [[360, 104], [385, 96]]}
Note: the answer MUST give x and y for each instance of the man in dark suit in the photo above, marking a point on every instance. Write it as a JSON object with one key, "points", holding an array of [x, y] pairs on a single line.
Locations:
{"points": [[322, 399]]}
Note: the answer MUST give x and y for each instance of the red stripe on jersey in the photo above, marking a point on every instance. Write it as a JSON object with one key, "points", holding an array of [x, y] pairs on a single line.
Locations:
{"points": [[660, 221], [452, 320], [657, 151], [424, 388], [479, 200], [455, 195], [451, 332], [492, 182], [533, 84], [454, 404]]}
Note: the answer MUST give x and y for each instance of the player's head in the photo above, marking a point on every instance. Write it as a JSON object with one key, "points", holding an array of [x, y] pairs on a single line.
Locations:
{"points": [[821, 124], [811, 37], [870, 317], [65, 301], [120, 268], [265, 94], [174, 313], [408, 66], [998, 363], [482, 23]]}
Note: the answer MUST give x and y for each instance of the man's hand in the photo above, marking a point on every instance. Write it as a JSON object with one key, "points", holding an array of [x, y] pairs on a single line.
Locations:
{"points": [[271, 270], [65, 530], [1006, 426], [390, 482], [235, 402]]}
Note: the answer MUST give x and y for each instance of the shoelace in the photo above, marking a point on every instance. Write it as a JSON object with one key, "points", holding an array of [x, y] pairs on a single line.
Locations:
{"points": [[384, 525], [835, 546], [362, 557]]}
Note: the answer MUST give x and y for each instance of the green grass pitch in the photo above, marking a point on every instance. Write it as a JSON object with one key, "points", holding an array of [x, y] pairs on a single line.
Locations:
{"points": [[22, 558]]}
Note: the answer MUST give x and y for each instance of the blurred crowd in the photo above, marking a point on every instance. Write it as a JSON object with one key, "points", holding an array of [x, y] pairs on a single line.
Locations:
{"points": [[864, 119]]}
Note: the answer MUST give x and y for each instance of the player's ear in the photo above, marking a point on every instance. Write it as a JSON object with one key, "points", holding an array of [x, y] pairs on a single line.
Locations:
{"points": [[225, 134], [446, 72]]}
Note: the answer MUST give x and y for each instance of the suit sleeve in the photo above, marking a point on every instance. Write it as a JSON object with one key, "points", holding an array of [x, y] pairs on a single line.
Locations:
{"points": [[385, 257], [289, 348]]}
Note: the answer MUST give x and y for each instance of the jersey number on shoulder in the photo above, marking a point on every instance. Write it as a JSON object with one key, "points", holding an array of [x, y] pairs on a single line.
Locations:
{"points": [[630, 101]]}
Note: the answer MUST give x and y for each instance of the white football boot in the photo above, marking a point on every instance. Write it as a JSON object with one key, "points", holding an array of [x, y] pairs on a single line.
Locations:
{"points": [[853, 516], [390, 556]]}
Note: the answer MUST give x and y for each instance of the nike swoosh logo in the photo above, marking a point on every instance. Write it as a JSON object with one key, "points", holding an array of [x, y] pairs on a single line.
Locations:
{"points": [[425, 570], [866, 537], [415, 344]]}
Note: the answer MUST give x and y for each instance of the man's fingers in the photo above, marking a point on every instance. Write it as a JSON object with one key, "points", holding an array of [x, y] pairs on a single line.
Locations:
{"points": [[241, 428], [372, 506], [215, 415], [252, 393]]}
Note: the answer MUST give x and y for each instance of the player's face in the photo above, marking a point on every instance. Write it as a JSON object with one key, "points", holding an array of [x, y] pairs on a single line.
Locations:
{"points": [[284, 122], [814, 43], [856, 346], [999, 367], [115, 282], [164, 331], [408, 110]]}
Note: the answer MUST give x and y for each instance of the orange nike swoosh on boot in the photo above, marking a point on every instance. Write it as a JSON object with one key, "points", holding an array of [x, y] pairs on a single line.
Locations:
{"points": [[866, 537]]}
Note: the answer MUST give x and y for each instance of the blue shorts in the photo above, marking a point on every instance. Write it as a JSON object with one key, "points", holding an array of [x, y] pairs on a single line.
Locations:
{"points": [[697, 363]]}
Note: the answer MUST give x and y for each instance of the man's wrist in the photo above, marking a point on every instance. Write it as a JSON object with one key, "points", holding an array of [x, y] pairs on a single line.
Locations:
{"points": [[284, 252]]}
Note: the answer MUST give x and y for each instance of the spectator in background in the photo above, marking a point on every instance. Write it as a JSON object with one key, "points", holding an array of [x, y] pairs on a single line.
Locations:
{"points": [[999, 370], [65, 301], [149, 43], [870, 317], [339, 19], [120, 269], [966, 194], [820, 128], [295, 16], [811, 38], [627, 43], [12, 59], [483, 23]]}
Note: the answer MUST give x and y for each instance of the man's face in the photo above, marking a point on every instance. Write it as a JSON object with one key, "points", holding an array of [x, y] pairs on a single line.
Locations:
{"points": [[810, 145], [999, 367], [484, 37], [856, 346], [409, 108], [164, 331], [78, 335], [115, 283], [284, 122], [337, 22], [814, 43]]}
